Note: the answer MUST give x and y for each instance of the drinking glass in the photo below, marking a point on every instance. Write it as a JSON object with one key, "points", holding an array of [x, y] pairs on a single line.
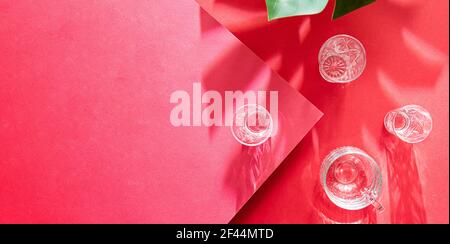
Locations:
{"points": [[252, 125], [342, 59], [411, 123], [351, 179]]}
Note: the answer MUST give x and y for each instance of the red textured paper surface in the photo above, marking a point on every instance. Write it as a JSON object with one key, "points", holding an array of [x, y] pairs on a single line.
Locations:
{"points": [[407, 63], [85, 134]]}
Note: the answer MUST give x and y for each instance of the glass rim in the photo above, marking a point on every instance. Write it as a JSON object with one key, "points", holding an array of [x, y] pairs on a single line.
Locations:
{"points": [[399, 111], [364, 64], [269, 130], [377, 180]]}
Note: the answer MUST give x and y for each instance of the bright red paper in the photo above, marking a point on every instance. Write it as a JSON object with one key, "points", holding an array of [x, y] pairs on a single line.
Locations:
{"points": [[85, 135]]}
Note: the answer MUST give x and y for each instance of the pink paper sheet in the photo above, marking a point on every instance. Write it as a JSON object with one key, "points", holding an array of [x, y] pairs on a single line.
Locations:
{"points": [[85, 135]]}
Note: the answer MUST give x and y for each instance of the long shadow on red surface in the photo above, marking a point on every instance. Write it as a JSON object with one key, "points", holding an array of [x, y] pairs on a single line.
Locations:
{"points": [[405, 189], [328, 213], [248, 170], [232, 70]]}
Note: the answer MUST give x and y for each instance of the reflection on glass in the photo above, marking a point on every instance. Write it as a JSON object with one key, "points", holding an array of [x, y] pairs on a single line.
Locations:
{"points": [[411, 123], [342, 59], [252, 125], [351, 179]]}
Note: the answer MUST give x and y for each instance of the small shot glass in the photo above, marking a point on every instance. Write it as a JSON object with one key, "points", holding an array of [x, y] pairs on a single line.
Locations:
{"points": [[252, 125], [342, 59], [410, 123]]}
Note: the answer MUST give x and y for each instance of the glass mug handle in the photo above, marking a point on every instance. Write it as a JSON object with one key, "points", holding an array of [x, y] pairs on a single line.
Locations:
{"points": [[372, 198]]}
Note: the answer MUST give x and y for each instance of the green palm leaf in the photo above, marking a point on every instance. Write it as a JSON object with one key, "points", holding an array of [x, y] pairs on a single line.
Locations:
{"points": [[285, 8], [344, 7]]}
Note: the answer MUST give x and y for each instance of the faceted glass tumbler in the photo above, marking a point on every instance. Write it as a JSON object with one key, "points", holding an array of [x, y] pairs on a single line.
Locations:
{"points": [[411, 123], [252, 125], [351, 179], [342, 59]]}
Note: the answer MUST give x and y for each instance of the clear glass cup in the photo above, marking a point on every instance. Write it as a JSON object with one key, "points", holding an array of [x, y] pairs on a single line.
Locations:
{"points": [[351, 179], [411, 123], [342, 59], [252, 125]]}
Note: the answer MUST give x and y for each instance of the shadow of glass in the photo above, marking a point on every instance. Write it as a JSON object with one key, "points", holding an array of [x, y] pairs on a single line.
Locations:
{"points": [[235, 68], [248, 170], [324, 210], [328, 213], [405, 189]]}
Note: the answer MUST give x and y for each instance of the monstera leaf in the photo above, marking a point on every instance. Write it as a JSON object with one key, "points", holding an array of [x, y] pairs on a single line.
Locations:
{"points": [[285, 8], [344, 7]]}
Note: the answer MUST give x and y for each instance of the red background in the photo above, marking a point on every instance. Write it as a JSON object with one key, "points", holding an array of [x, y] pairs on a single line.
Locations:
{"points": [[85, 114], [407, 63], [407, 51]]}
